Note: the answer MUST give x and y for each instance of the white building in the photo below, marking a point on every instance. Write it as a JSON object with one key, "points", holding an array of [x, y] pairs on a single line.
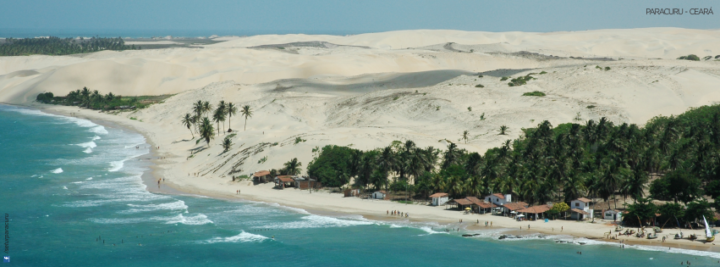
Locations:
{"points": [[498, 199], [613, 215], [439, 199], [580, 209], [379, 194]]}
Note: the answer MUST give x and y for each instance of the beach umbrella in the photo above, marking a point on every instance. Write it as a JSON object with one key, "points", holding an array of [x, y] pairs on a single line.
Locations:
{"points": [[468, 208], [513, 212], [521, 215]]}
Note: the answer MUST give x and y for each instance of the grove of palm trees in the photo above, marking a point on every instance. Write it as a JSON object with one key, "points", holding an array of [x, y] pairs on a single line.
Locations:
{"points": [[197, 121], [557, 164], [60, 46]]}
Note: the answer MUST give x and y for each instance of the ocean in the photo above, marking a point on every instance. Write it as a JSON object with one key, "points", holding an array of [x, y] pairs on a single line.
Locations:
{"points": [[144, 33], [73, 194]]}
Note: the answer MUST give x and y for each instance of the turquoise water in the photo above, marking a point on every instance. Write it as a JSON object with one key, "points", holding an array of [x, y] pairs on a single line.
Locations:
{"points": [[66, 182]]}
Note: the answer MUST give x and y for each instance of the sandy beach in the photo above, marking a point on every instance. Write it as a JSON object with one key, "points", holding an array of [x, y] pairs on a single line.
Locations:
{"points": [[367, 90]]}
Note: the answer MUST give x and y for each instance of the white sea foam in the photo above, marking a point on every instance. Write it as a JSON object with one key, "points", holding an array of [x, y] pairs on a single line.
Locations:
{"points": [[173, 206], [88, 179], [242, 237], [430, 231], [65, 187], [316, 221], [116, 165], [88, 150], [78, 182], [190, 220], [96, 138], [58, 170], [90, 144]]}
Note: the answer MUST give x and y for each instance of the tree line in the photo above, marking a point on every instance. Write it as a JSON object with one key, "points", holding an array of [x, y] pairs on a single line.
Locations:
{"points": [[555, 164], [60, 46], [93, 99]]}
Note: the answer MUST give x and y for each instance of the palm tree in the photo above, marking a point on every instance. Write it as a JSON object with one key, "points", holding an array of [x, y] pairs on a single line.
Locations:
{"points": [[206, 107], [188, 121], [219, 116], [292, 167], [206, 130], [503, 129], [222, 106], [465, 136], [247, 112], [230, 110], [226, 144]]}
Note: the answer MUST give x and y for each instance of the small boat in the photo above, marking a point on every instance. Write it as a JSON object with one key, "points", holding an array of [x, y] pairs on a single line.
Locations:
{"points": [[618, 228], [652, 236], [657, 229], [640, 235], [709, 235], [679, 235], [692, 237]]}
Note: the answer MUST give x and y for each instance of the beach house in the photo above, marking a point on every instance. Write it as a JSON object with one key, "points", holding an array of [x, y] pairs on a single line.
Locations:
{"points": [[283, 181], [612, 215], [499, 199], [481, 206], [580, 209], [380, 194], [509, 209], [438, 199], [260, 176]]}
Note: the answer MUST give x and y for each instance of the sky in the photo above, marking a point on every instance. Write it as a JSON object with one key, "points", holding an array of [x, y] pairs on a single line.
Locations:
{"points": [[343, 17]]}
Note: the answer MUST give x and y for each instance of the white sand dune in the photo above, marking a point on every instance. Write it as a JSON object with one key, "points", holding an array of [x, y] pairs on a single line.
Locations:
{"points": [[367, 90]]}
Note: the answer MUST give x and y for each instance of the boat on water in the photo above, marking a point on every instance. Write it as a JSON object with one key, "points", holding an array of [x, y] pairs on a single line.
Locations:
{"points": [[709, 235]]}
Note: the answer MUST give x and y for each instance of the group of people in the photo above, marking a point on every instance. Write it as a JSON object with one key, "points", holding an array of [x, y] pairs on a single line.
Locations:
{"points": [[397, 213]]}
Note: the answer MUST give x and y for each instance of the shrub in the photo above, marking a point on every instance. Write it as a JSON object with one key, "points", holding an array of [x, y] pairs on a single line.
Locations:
{"points": [[395, 98], [511, 84], [717, 57], [469, 108], [607, 68], [520, 80], [332, 167], [482, 116], [543, 72], [262, 160], [504, 79], [480, 76], [298, 140], [480, 86], [597, 67], [707, 58], [437, 108], [44, 97], [534, 93], [590, 106], [690, 57]]}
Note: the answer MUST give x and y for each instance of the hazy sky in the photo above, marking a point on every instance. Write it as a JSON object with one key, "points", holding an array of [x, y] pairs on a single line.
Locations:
{"points": [[319, 16]]}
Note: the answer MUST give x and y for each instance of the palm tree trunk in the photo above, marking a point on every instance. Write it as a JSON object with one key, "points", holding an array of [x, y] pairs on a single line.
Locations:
{"points": [[245, 127], [218, 128]]}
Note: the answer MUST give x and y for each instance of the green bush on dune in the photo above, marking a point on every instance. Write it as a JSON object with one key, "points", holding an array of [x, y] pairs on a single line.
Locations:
{"points": [[690, 57], [534, 93]]}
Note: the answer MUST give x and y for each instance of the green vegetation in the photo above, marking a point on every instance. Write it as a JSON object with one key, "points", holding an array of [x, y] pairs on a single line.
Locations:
{"points": [[534, 93], [504, 79], [262, 160], [482, 116], [522, 80], [596, 159], [690, 57], [60, 46], [94, 100], [226, 144], [395, 98], [292, 167], [590, 107], [465, 136], [197, 121], [480, 76], [298, 140], [503, 129], [707, 58], [469, 108], [480, 86], [247, 112], [607, 68], [558, 208], [543, 72]]}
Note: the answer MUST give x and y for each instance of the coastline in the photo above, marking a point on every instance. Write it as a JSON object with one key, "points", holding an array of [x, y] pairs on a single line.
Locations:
{"points": [[159, 166]]}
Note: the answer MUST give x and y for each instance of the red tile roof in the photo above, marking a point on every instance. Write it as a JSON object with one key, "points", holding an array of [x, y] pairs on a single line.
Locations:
{"points": [[515, 206], [438, 195], [579, 211], [535, 209], [261, 173], [462, 201], [499, 195], [286, 178], [481, 203]]}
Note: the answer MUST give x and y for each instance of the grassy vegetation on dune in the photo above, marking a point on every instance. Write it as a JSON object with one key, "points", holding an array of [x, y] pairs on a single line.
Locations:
{"points": [[94, 100], [534, 93]]}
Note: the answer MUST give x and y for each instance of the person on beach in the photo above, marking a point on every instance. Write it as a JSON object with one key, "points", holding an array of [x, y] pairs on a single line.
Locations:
{"points": [[562, 228], [528, 227], [387, 212], [406, 215]]}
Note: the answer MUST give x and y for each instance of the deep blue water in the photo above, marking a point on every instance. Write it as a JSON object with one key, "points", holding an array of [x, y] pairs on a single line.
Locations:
{"points": [[66, 182]]}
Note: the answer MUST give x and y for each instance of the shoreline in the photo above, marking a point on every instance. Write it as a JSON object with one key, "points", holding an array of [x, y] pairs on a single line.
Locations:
{"points": [[157, 168]]}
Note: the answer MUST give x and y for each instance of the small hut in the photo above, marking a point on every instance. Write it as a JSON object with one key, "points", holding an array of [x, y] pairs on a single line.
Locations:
{"points": [[283, 181], [438, 199], [380, 194], [260, 177]]}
